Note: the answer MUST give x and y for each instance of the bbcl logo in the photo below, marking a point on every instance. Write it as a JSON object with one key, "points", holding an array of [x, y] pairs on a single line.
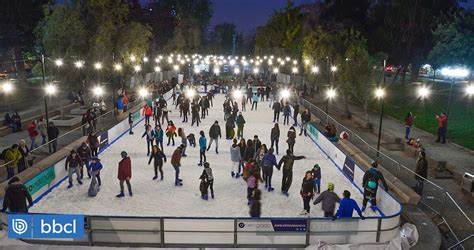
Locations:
{"points": [[45, 226]]}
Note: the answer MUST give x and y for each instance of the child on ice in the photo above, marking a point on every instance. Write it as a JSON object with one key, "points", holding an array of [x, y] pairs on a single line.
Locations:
{"points": [[207, 181]]}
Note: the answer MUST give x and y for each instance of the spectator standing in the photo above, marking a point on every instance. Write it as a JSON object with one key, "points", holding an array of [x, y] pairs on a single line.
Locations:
{"points": [[53, 134], [421, 170]]}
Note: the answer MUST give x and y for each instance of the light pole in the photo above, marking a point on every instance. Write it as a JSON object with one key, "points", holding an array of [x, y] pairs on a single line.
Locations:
{"points": [[453, 73], [49, 90], [330, 94], [7, 88], [98, 67], [379, 94]]}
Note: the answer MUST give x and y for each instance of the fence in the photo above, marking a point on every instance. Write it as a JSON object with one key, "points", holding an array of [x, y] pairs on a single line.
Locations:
{"points": [[435, 199], [227, 232]]}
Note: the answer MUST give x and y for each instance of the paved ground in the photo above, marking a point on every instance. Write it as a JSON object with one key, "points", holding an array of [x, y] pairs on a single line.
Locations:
{"points": [[462, 159]]}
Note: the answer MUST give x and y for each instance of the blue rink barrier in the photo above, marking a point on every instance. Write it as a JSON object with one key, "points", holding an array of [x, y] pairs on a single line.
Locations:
{"points": [[138, 231]]}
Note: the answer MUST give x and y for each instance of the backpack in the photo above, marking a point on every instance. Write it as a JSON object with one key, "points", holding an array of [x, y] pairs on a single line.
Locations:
{"points": [[4, 154]]}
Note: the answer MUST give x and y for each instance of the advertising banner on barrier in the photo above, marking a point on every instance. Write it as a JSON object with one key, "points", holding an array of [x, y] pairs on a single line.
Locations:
{"points": [[276, 225], [348, 168], [33, 226], [103, 139], [313, 131], [42, 179]]}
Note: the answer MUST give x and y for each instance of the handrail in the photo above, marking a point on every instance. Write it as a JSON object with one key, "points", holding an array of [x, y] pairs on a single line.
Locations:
{"points": [[462, 241]]}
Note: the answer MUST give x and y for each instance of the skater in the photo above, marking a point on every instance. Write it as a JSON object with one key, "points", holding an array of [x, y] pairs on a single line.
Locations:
{"points": [[147, 112], [347, 207], [158, 135], [130, 122], [296, 110], [256, 206], [235, 158], [370, 183], [287, 161], [185, 109], [150, 135], [316, 171], [275, 137], [73, 165], [252, 184], [328, 199], [184, 140], [243, 102], [125, 174], [170, 132], [94, 171], [208, 178], [85, 153], [94, 144], [421, 170], [291, 139], [229, 127], [214, 135], [202, 147], [276, 111], [192, 140], [307, 192], [157, 113], [158, 157], [203, 186], [268, 162], [261, 153], [240, 121], [16, 195], [305, 119], [176, 163], [257, 144], [254, 101], [195, 114], [164, 114], [286, 114], [249, 151]]}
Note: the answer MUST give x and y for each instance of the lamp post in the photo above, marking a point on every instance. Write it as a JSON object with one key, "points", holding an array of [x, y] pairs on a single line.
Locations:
{"points": [[330, 94], [453, 73], [379, 94], [7, 88], [49, 90]]}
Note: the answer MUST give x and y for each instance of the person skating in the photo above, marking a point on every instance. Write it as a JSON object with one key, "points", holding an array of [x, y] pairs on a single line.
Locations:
{"points": [[261, 153], [158, 158], [347, 207], [176, 163], [286, 114], [291, 141], [130, 122], [256, 206], [240, 121], [316, 171], [157, 113], [170, 132], [94, 144], [328, 199], [307, 192], [268, 162], [85, 153], [94, 171], [276, 111], [73, 165], [254, 102], [287, 161], [202, 148], [235, 158], [370, 183], [185, 109], [147, 112], [229, 127], [158, 135], [275, 137], [208, 178], [195, 114], [421, 170], [214, 135], [257, 144], [164, 115], [243, 149], [184, 140], [249, 151], [150, 136], [296, 110], [252, 185], [125, 174], [305, 119], [16, 196]]}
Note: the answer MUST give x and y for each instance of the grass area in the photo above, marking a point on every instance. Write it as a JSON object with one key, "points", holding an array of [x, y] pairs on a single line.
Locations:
{"points": [[402, 98]]}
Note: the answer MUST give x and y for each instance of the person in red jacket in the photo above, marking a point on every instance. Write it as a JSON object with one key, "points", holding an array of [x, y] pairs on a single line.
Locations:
{"points": [[442, 127], [147, 112], [125, 173], [33, 133]]}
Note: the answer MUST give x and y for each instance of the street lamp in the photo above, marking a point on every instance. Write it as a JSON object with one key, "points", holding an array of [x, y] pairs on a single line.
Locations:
{"points": [[98, 91], [137, 68], [314, 69], [453, 73], [176, 67], [275, 70], [98, 66], [236, 71], [294, 70], [379, 94], [7, 87], [333, 69], [255, 70], [157, 69], [117, 67], [330, 94], [59, 62], [143, 92], [49, 90], [423, 92], [237, 94], [79, 64], [470, 90], [217, 71], [285, 94]]}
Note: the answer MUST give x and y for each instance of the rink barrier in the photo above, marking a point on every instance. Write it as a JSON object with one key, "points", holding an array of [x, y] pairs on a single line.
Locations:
{"points": [[225, 232]]}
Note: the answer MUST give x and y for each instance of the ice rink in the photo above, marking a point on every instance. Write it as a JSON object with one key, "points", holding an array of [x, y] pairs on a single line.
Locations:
{"points": [[162, 198]]}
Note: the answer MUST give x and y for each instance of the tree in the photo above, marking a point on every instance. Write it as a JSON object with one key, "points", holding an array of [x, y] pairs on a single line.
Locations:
{"points": [[221, 39], [186, 37], [17, 22], [454, 42]]}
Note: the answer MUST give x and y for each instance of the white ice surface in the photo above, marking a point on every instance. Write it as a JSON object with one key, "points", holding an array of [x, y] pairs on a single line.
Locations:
{"points": [[162, 198]]}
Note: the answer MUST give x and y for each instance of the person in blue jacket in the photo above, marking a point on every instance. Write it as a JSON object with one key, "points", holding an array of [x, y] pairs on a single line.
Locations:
{"points": [[268, 162], [150, 135], [94, 169], [158, 135], [347, 207], [202, 148]]}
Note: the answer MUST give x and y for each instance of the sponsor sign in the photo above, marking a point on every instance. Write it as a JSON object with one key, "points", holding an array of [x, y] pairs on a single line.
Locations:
{"points": [[313, 131], [39, 181], [296, 225], [29, 226], [103, 139], [348, 168]]}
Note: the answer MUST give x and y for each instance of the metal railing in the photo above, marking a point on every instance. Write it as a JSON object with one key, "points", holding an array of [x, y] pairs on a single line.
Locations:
{"points": [[434, 198]]}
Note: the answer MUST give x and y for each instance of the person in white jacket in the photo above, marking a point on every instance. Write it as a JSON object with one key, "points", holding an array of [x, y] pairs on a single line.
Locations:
{"points": [[235, 157]]}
